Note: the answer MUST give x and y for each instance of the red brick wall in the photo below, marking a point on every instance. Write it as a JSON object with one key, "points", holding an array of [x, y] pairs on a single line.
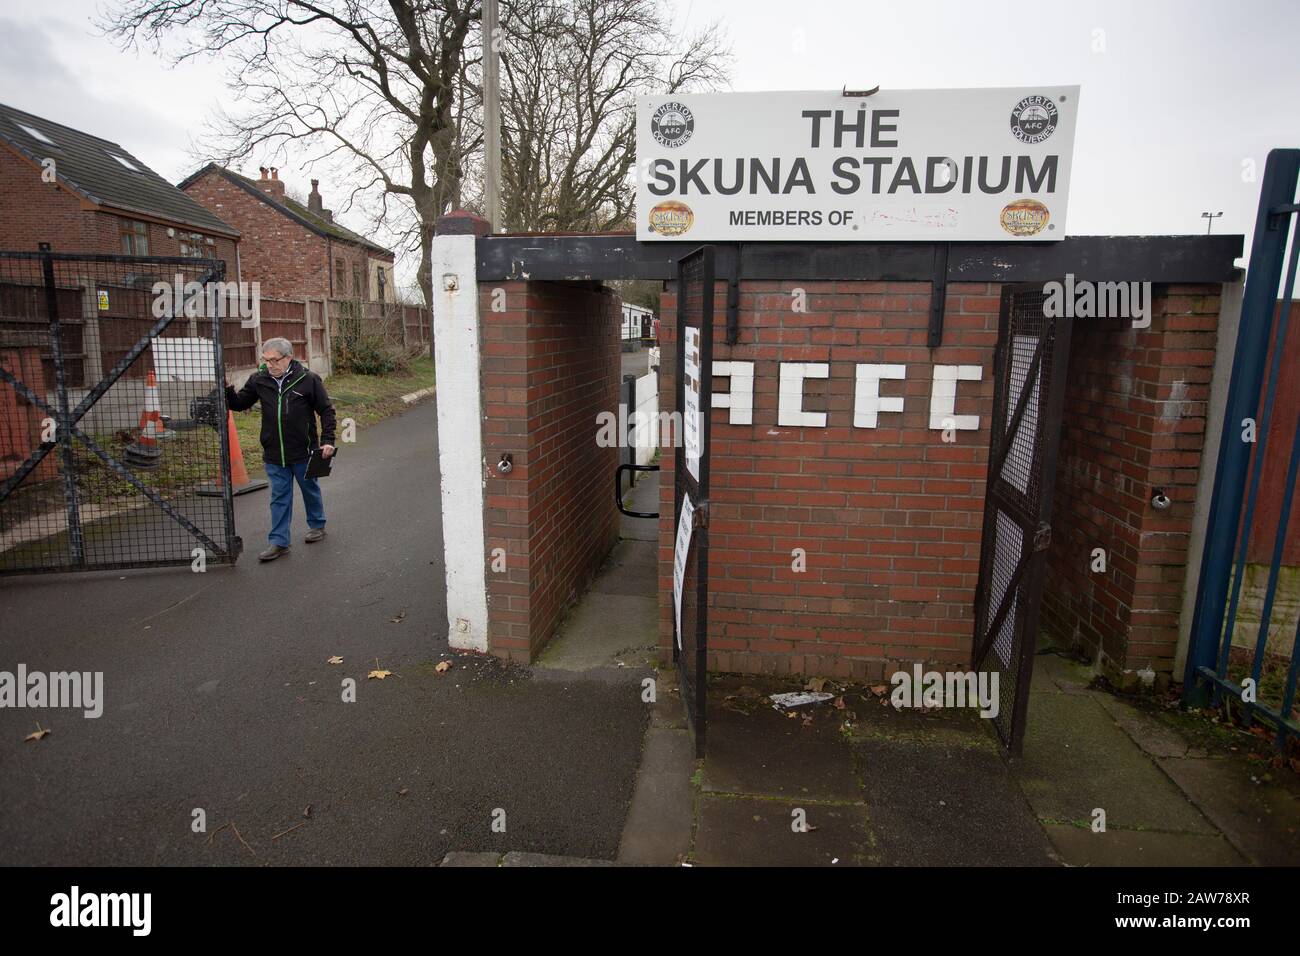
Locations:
{"points": [[1134, 420], [288, 260], [32, 211], [889, 517], [550, 365]]}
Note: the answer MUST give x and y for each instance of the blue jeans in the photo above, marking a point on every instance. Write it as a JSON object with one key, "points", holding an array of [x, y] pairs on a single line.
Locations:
{"points": [[282, 479]]}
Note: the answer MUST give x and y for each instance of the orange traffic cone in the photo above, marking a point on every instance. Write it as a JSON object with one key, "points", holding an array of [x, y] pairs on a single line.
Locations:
{"points": [[240, 483], [239, 480], [145, 452], [151, 422]]}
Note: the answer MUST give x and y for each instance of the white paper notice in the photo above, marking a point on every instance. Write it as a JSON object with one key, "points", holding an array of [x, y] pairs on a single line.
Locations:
{"points": [[692, 426], [680, 552]]}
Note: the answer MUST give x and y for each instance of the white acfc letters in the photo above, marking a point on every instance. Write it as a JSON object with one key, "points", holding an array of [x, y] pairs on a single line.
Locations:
{"points": [[868, 403]]}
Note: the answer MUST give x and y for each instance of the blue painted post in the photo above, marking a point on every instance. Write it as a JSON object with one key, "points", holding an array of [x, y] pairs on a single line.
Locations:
{"points": [[1258, 304]]}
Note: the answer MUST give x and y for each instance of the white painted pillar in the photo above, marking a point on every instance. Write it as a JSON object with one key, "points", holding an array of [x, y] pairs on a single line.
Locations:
{"points": [[456, 358]]}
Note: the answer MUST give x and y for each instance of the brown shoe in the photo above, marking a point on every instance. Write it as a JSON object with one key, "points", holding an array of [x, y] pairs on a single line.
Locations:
{"points": [[314, 535], [273, 552]]}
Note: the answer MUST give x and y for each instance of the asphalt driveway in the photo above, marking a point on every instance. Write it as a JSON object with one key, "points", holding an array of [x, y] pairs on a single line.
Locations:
{"points": [[219, 698]]}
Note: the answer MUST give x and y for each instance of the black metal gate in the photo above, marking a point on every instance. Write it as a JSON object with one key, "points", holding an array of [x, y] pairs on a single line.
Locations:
{"points": [[1029, 390], [694, 399], [111, 415]]}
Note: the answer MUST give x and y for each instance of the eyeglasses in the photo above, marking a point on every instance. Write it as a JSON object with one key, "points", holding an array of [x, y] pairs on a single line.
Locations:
{"points": [[268, 359]]}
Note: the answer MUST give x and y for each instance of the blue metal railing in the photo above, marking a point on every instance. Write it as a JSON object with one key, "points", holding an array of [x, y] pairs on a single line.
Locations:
{"points": [[1241, 464]]}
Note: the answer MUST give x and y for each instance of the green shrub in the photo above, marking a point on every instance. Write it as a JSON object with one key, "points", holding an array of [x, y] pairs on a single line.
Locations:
{"points": [[362, 348]]}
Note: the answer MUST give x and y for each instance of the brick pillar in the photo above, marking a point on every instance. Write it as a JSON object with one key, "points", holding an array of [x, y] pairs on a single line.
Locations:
{"points": [[550, 368], [1135, 415]]}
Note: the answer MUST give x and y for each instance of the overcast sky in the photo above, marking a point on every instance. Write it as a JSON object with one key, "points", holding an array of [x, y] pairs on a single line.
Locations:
{"points": [[1176, 96]]}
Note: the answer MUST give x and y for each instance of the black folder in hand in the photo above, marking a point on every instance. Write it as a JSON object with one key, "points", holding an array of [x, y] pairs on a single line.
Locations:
{"points": [[318, 467]]}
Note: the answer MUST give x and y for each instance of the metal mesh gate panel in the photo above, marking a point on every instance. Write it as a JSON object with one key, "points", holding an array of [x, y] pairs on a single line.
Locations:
{"points": [[1029, 374], [111, 418]]}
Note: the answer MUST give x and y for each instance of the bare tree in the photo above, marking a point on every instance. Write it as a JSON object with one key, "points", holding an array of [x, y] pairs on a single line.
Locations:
{"points": [[374, 87], [572, 70]]}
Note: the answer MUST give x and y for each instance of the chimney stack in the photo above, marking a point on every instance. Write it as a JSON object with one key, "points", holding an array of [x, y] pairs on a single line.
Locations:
{"points": [[272, 184], [315, 205]]}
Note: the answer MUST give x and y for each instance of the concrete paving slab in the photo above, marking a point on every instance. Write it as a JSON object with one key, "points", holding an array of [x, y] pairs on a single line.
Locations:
{"points": [[1052, 671], [461, 858], [632, 568], [602, 630], [768, 754], [1079, 846], [1077, 759], [746, 831], [939, 805], [659, 822], [520, 859], [1262, 819], [1155, 739]]}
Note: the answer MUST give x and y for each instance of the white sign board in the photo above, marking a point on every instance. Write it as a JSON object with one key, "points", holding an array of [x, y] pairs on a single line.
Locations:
{"points": [[988, 165], [692, 423], [680, 551], [184, 360]]}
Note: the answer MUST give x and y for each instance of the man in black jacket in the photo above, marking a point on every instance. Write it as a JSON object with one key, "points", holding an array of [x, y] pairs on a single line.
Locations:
{"points": [[292, 396]]}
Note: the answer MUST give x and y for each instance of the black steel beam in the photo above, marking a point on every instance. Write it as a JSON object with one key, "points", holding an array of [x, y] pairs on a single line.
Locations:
{"points": [[1165, 259]]}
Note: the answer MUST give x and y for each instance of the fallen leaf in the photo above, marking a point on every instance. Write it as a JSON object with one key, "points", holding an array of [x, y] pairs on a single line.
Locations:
{"points": [[792, 714], [879, 689], [38, 734], [335, 660], [398, 620], [443, 667], [307, 811], [839, 703], [403, 792], [378, 673], [815, 684]]}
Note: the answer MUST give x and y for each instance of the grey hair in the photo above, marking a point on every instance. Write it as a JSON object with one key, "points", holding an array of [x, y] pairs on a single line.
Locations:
{"points": [[283, 346]]}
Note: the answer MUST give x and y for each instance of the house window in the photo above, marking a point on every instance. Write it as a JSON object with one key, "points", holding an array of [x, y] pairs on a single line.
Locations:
{"points": [[340, 277], [356, 281], [192, 245], [382, 281], [135, 237]]}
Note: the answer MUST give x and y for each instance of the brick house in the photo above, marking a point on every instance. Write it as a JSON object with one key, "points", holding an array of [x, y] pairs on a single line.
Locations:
{"points": [[294, 251], [81, 193]]}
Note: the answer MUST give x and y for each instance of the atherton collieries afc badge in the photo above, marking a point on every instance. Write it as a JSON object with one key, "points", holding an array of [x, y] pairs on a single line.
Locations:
{"points": [[1033, 119], [672, 124]]}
